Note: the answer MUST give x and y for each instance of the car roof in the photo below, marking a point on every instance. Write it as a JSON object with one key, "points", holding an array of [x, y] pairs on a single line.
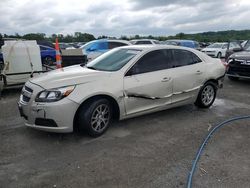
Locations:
{"points": [[113, 40], [155, 47], [135, 40]]}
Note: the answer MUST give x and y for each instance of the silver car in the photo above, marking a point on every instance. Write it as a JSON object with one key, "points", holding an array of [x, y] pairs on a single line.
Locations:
{"points": [[122, 83]]}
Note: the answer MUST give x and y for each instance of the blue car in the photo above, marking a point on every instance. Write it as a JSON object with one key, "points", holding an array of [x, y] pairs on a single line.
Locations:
{"points": [[48, 55], [95, 48]]}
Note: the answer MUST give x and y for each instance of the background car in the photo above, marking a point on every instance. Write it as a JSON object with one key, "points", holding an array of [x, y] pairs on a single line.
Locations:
{"points": [[48, 55], [238, 64], [217, 49], [232, 47], [184, 43], [144, 41], [95, 48]]}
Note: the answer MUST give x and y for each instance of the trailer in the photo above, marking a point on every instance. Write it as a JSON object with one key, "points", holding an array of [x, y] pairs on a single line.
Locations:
{"points": [[21, 61]]}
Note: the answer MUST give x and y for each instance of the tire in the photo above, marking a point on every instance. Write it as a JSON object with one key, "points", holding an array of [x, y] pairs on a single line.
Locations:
{"points": [[95, 117], [49, 61], [219, 55], [206, 95], [233, 78]]}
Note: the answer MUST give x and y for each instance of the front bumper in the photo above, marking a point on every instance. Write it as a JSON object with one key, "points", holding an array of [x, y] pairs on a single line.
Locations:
{"points": [[52, 117]]}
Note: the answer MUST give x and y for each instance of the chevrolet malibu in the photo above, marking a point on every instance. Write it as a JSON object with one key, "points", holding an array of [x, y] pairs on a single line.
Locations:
{"points": [[122, 83]]}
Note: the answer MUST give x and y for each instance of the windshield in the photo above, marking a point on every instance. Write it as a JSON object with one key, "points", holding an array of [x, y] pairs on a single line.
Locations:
{"points": [[215, 45], [113, 60]]}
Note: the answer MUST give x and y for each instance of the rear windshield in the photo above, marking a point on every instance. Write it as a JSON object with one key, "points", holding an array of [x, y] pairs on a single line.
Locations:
{"points": [[113, 60]]}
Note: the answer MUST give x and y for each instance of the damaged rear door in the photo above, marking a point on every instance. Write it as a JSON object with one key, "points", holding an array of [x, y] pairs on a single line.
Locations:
{"points": [[148, 84], [188, 75]]}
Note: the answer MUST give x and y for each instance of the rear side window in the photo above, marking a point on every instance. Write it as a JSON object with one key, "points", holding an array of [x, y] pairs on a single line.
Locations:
{"points": [[184, 57], [152, 61], [143, 42], [112, 45]]}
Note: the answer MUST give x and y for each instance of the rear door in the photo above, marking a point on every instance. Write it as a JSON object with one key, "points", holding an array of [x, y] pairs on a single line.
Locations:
{"points": [[188, 75], [148, 84]]}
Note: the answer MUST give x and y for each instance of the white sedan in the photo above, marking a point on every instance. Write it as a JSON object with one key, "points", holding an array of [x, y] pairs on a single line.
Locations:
{"points": [[122, 83], [216, 50]]}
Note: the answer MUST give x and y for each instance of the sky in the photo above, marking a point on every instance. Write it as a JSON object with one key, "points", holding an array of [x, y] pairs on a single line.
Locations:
{"points": [[124, 17]]}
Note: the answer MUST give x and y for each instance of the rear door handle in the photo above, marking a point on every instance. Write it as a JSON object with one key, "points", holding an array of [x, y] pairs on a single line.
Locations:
{"points": [[198, 72], [166, 79]]}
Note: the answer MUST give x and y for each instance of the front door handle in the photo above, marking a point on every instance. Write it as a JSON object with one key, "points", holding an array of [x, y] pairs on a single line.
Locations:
{"points": [[166, 79]]}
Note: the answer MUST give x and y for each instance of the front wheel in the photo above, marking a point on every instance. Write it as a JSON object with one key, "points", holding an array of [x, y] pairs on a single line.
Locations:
{"points": [[219, 55], [95, 117], [49, 61], [206, 95]]}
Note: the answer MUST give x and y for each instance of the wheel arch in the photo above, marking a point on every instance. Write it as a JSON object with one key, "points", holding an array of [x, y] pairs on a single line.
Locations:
{"points": [[214, 81], [113, 102]]}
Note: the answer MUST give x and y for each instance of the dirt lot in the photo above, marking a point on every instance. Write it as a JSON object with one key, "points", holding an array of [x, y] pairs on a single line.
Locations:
{"points": [[149, 151]]}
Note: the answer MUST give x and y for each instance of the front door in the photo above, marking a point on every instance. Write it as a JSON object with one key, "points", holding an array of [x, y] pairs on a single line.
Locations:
{"points": [[148, 84]]}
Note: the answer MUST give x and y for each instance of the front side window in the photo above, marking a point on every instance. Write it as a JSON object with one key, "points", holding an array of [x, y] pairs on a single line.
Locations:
{"points": [[113, 60], [152, 61]]}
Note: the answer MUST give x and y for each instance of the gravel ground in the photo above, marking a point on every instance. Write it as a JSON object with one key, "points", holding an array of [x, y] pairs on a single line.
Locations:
{"points": [[149, 151]]}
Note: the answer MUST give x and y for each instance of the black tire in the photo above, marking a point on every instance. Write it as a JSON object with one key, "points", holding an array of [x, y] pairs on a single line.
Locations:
{"points": [[204, 100], [233, 78], [88, 114], [219, 55], [49, 61]]}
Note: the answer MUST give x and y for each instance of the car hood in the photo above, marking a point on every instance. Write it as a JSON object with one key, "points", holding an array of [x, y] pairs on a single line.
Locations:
{"points": [[244, 55], [72, 75]]}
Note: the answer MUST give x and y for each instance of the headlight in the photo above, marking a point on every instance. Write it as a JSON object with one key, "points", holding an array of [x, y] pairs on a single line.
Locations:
{"points": [[229, 61], [53, 95]]}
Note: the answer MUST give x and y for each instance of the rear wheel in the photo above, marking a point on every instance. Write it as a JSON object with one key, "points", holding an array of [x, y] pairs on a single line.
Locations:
{"points": [[233, 78], [95, 117], [206, 95]]}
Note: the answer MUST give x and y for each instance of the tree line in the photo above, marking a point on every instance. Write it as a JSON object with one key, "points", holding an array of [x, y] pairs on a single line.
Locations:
{"points": [[219, 36]]}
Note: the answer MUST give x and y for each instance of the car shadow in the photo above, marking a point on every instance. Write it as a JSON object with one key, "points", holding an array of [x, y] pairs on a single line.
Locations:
{"points": [[11, 91]]}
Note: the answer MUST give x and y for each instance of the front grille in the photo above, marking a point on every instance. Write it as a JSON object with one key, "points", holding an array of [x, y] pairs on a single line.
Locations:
{"points": [[26, 93], [237, 68], [25, 98]]}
